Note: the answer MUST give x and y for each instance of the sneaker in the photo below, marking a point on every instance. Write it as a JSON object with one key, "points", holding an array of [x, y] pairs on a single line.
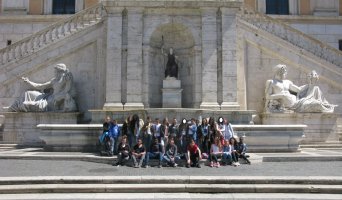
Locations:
{"points": [[146, 166], [237, 164], [160, 166], [198, 165], [187, 166], [175, 165], [211, 164], [136, 166]]}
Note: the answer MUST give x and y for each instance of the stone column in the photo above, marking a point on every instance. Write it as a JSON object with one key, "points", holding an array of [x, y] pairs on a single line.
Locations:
{"points": [[209, 59], [145, 85], [197, 83], [113, 60], [229, 61], [134, 59]]}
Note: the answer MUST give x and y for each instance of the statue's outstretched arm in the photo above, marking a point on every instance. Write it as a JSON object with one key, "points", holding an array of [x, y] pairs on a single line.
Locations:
{"points": [[38, 86], [294, 88]]}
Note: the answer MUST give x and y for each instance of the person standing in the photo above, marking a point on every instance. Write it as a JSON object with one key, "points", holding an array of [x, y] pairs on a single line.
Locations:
{"points": [[146, 132], [203, 139], [114, 134]]}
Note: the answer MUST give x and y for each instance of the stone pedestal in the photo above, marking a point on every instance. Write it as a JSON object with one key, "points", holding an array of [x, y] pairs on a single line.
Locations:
{"points": [[320, 126], [271, 138], [21, 127], [172, 93]]}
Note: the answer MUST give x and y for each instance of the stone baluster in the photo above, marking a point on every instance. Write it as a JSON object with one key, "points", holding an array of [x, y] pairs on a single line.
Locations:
{"points": [[7, 55], [25, 48], [69, 26], [18, 52], [62, 29], [81, 21], [44, 42], [1, 57], [56, 33]]}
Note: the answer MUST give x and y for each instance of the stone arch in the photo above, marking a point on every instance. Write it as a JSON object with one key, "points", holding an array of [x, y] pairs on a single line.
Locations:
{"points": [[180, 38]]}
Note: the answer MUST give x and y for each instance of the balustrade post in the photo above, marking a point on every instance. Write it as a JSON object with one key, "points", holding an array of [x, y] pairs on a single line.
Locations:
{"points": [[56, 33]]}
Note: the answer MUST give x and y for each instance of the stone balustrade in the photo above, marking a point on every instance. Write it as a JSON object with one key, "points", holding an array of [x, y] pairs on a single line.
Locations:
{"points": [[50, 34], [292, 35]]}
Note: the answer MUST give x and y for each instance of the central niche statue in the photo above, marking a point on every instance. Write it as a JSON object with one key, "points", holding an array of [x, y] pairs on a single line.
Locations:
{"points": [[282, 94], [54, 95], [171, 69]]}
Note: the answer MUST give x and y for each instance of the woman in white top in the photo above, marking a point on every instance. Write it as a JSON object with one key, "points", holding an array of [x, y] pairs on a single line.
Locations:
{"points": [[215, 153]]}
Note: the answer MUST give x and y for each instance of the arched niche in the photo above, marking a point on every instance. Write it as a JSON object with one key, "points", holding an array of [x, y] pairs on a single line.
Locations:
{"points": [[180, 38]]}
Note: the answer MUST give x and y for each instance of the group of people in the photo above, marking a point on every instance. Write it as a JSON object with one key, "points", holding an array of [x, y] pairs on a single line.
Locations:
{"points": [[170, 142]]}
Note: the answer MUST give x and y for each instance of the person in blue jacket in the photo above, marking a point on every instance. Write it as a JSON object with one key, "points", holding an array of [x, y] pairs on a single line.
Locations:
{"points": [[114, 133]]}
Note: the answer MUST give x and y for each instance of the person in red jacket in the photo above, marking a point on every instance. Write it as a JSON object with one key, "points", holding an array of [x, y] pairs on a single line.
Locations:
{"points": [[193, 155]]}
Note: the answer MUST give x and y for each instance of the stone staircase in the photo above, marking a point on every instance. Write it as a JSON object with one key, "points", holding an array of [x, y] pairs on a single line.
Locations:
{"points": [[51, 34], [291, 35]]}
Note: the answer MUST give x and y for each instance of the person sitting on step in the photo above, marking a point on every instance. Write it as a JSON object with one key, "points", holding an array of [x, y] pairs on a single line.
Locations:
{"points": [[242, 148], [227, 153], [215, 153], [138, 153], [193, 155], [156, 152], [171, 153], [234, 150], [123, 151]]}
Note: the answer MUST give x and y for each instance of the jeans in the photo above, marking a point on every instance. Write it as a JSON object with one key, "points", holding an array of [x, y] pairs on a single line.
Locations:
{"points": [[114, 145], [235, 156], [147, 142], [152, 155], [169, 160], [131, 139], [215, 157], [141, 159], [227, 158]]}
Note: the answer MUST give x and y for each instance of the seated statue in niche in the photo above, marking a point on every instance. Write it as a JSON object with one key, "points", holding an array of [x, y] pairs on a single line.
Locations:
{"points": [[54, 95], [282, 95], [310, 97], [171, 69]]}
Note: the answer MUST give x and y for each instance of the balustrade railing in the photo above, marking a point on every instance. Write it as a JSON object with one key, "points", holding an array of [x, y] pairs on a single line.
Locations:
{"points": [[292, 35], [50, 34]]}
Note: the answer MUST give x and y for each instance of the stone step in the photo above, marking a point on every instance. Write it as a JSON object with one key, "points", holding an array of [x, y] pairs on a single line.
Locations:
{"points": [[318, 145], [263, 180], [170, 188], [155, 196]]}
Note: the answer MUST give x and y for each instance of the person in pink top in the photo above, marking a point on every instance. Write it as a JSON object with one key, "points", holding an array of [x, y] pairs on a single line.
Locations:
{"points": [[215, 153]]}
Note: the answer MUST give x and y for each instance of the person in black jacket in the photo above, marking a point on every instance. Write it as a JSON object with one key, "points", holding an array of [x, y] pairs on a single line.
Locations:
{"points": [[123, 151], [156, 151]]}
